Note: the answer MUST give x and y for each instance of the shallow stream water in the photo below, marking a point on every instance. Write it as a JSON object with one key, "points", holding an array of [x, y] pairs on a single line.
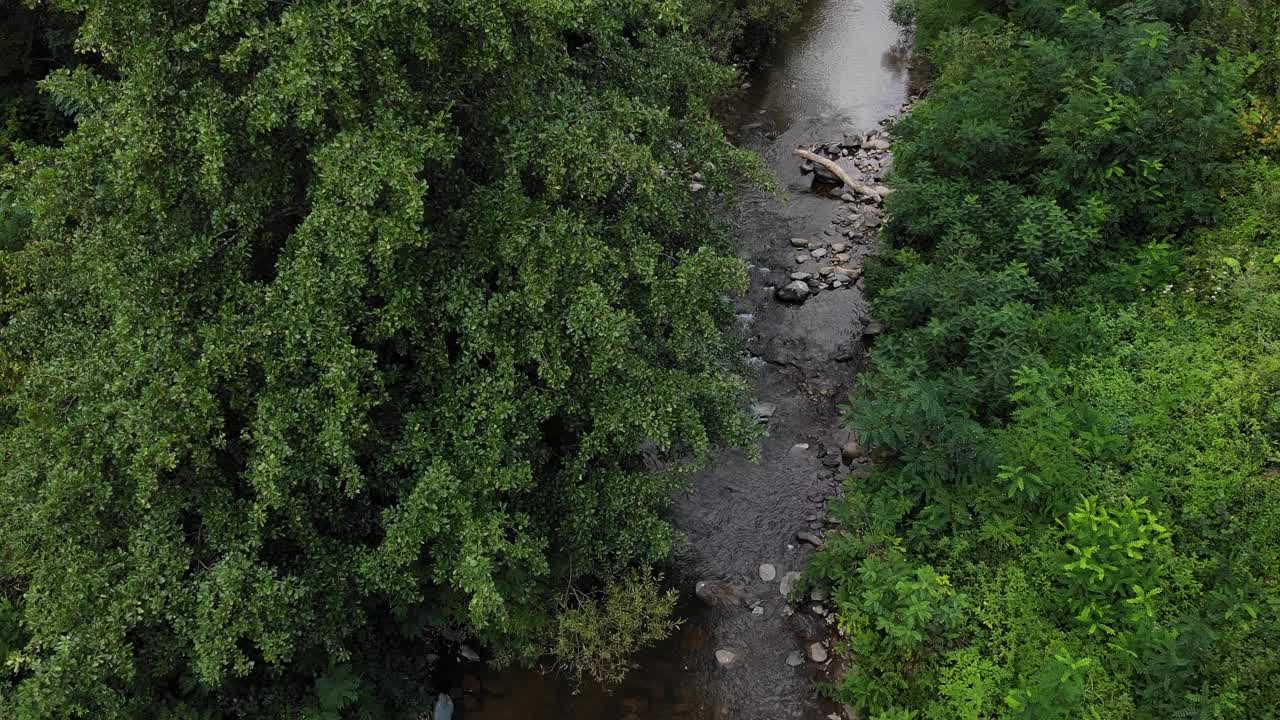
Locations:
{"points": [[842, 67]]}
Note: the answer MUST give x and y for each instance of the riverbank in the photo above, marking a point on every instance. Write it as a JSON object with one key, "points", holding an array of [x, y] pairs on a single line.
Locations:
{"points": [[1075, 403]]}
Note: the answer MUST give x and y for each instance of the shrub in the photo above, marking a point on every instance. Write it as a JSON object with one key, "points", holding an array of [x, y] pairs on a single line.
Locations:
{"points": [[599, 636]]}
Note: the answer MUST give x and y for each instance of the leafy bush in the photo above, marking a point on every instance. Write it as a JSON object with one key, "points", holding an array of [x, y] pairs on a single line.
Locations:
{"points": [[599, 636], [1076, 399]]}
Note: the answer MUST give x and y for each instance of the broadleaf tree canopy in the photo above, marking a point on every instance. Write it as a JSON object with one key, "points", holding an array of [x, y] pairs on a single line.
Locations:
{"points": [[341, 324]]}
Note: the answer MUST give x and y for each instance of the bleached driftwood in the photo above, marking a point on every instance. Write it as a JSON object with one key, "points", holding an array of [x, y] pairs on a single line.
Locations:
{"points": [[829, 165]]}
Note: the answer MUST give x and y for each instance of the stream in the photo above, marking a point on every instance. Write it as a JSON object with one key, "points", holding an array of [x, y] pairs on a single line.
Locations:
{"points": [[841, 68]]}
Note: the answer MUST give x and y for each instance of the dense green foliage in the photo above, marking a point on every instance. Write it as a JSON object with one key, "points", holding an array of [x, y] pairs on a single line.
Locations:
{"points": [[335, 328], [598, 637], [1078, 401]]}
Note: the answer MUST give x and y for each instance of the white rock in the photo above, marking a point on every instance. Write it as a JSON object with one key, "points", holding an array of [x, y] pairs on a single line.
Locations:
{"points": [[788, 582], [817, 653]]}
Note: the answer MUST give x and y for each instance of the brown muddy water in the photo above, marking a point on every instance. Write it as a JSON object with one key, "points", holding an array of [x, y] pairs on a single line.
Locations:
{"points": [[842, 67]]}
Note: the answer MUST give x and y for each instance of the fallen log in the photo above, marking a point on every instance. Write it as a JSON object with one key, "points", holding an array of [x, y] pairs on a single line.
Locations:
{"points": [[829, 165]]}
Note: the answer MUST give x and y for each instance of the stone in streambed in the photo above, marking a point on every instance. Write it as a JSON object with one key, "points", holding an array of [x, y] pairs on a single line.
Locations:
{"points": [[725, 657], [794, 292], [716, 594], [799, 243], [817, 653], [795, 658], [810, 538], [768, 572], [444, 708], [763, 410], [788, 582]]}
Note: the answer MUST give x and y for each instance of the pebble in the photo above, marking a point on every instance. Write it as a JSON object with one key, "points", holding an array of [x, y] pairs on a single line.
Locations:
{"points": [[802, 259], [799, 243], [801, 275], [842, 257], [695, 187], [757, 610], [818, 254], [444, 707], [817, 653], [810, 538], [724, 657], [467, 652], [763, 410], [788, 582], [838, 247], [768, 572], [795, 658]]}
